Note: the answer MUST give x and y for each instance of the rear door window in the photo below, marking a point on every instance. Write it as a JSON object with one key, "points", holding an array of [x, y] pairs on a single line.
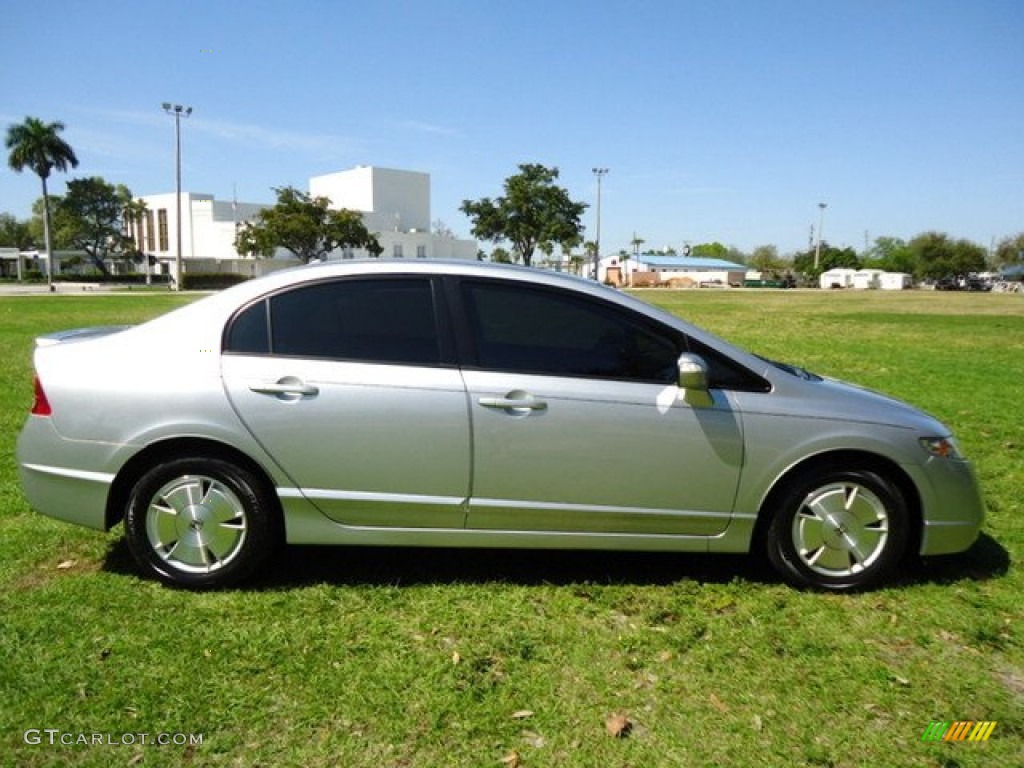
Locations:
{"points": [[381, 320]]}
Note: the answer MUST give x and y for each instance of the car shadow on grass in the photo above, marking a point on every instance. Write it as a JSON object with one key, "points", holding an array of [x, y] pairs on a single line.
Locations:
{"points": [[986, 559], [365, 566], [302, 566]]}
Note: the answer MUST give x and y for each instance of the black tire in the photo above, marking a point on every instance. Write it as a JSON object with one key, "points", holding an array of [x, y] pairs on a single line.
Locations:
{"points": [[200, 523], [838, 530]]}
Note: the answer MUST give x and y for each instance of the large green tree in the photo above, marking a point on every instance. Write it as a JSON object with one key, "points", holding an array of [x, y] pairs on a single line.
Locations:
{"points": [[306, 226], [1010, 250], [15, 233], [938, 255], [831, 258], [713, 250], [893, 255], [533, 213], [91, 217], [765, 259], [38, 146], [37, 225]]}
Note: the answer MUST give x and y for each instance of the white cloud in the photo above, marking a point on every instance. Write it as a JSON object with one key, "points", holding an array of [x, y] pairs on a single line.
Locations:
{"points": [[436, 130], [277, 139], [246, 134]]}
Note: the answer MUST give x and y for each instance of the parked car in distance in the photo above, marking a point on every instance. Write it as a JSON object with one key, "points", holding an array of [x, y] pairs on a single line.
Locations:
{"points": [[963, 283], [472, 405]]}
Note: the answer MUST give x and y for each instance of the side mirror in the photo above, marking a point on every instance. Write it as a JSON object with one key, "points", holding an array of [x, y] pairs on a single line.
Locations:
{"points": [[693, 381]]}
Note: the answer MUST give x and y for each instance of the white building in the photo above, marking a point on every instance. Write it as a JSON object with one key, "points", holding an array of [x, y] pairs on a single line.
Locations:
{"points": [[840, 277], [895, 281], [208, 229], [677, 271], [395, 206], [865, 279], [11, 263]]}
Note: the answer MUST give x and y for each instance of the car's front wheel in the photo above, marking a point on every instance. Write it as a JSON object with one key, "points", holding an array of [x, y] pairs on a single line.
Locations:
{"points": [[200, 522], [838, 530]]}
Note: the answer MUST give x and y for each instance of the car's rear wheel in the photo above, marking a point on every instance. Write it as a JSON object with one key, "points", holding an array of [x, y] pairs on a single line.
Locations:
{"points": [[200, 522], [838, 530]]}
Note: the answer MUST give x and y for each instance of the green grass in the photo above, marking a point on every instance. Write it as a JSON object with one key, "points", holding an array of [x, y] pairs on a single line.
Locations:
{"points": [[443, 658]]}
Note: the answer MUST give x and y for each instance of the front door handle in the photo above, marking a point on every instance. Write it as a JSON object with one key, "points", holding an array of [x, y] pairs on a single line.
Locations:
{"points": [[514, 402], [504, 402]]}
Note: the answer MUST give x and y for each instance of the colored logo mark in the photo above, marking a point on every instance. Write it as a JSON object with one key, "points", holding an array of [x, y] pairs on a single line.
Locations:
{"points": [[959, 730]]}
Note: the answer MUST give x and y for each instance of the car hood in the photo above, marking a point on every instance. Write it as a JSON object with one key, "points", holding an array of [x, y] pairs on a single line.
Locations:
{"points": [[833, 399]]}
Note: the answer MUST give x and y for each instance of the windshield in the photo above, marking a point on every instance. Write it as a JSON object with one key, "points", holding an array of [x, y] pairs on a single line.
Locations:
{"points": [[800, 373]]}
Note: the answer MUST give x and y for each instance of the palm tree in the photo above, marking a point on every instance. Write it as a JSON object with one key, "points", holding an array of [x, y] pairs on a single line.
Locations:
{"points": [[37, 145], [636, 242]]}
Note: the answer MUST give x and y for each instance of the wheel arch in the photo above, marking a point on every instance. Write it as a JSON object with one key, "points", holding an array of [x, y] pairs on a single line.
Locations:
{"points": [[179, 447], [838, 460]]}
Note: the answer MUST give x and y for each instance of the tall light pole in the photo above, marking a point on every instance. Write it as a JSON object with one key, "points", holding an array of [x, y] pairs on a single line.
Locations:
{"points": [[599, 173], [177, 111], [821, 223]]}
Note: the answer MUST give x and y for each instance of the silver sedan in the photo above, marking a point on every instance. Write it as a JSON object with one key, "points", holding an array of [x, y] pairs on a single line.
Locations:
{"points": [[469, 405]]}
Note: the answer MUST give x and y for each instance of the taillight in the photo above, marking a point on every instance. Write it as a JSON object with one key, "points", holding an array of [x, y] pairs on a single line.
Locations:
{"points": [[41, 406]]}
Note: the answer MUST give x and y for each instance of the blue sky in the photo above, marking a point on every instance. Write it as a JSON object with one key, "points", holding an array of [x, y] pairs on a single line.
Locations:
{"points": [[721, 120]]}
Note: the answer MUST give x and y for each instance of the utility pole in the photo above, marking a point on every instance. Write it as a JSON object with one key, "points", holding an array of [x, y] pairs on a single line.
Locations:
{"points": [[177, 111], [821, 224], [599, 173]]}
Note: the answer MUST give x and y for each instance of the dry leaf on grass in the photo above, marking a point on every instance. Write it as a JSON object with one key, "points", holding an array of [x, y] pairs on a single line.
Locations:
{"points": [[511, 759], [618, 725], [717, 703], [534, 739], [522, 714], [64, 565]]}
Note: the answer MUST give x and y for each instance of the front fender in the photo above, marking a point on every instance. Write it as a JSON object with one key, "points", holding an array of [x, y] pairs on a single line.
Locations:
{"points": [[776, 445]]}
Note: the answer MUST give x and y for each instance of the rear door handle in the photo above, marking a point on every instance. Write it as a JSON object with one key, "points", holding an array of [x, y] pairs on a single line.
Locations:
{"points": [[285, 387]]}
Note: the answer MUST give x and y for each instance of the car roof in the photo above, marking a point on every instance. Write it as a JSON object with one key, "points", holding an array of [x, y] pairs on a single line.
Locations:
{"points": [[211, 312], [252, 289]]}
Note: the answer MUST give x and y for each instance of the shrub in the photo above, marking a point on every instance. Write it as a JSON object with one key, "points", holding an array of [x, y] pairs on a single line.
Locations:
{"points": [[134, 278], [210, 281]]}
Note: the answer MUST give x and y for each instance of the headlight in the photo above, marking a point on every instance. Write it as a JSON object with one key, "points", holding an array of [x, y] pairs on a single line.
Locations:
{"points": [[942, 447]]}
